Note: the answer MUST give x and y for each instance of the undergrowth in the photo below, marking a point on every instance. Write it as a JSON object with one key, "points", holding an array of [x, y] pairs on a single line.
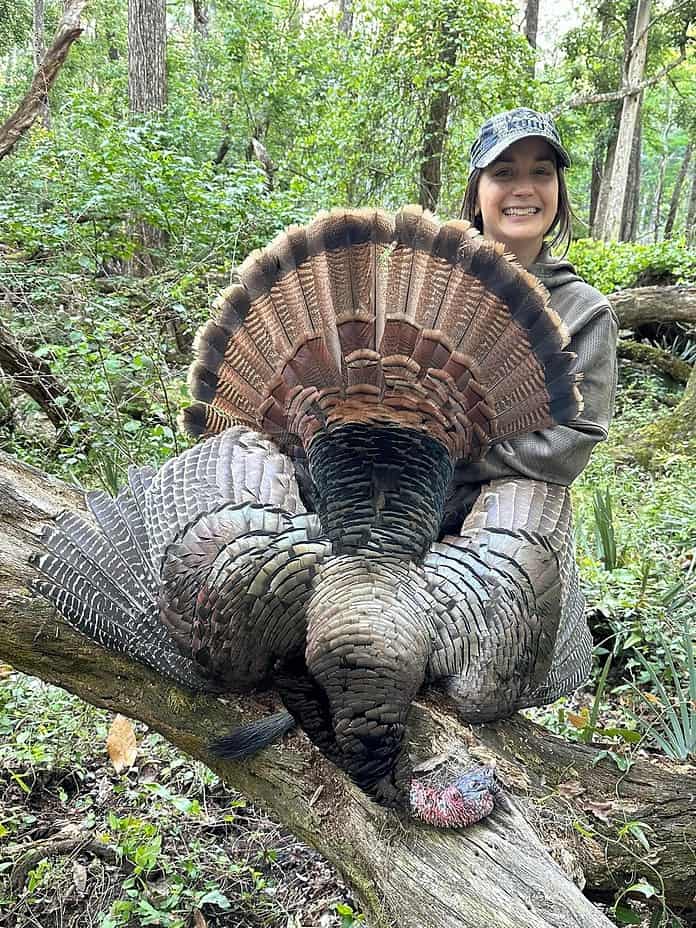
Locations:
{"points": [[184, 843]]}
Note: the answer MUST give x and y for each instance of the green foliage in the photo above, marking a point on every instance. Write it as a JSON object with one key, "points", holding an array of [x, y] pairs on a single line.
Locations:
{"points": [[671, 719], [614, 266]]}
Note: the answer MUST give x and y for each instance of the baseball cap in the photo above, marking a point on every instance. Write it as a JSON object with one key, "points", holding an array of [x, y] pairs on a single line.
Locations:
{"points": [[501, 130]]}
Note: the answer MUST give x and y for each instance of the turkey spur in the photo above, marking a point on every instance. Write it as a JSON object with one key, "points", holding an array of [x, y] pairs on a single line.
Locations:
{"points": [[369, 353]]}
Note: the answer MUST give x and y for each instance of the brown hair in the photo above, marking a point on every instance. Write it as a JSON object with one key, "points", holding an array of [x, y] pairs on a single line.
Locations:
{"points": [[561, 225]]}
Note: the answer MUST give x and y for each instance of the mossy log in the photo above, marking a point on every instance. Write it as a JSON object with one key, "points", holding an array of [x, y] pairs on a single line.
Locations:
{"points": [[675, 430], [498, 874], [657, 358]]}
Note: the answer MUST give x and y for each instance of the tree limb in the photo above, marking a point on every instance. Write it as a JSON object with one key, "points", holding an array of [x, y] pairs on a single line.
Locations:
{"points": [[612, 95], [34, 376], [30, 108], [495, 875], [658, 358]]}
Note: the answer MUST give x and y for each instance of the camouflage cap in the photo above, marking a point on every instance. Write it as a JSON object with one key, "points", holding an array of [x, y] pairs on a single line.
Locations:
{"points": [[503, 129]]}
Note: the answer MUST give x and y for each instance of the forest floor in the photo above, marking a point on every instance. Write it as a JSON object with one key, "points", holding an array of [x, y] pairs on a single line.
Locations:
{"points": [[190, 853]]}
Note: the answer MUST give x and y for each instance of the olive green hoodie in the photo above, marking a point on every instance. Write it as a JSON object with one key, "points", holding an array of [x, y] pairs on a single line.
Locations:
{"points": [[558, 454]]}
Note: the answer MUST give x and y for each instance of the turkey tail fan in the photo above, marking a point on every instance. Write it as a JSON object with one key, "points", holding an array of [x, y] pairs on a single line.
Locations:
{"points": [[101, 580], [364, 317]]}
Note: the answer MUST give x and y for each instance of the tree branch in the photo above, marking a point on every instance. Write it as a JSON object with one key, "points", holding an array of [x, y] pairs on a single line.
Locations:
{"points": [[658, 358], [69, 29], [594, 98], [34, 376], [495, 874]]}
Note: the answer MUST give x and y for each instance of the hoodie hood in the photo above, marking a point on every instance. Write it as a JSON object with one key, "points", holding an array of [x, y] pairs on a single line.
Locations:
{"points": [[553, 272]]}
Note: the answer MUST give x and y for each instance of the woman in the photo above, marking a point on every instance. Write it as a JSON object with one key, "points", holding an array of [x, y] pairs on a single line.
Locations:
{"points": [[517, 195]]}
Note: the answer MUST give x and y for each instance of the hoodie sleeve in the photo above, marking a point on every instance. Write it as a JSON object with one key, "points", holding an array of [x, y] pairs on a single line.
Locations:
{"points": [[559, 454]]}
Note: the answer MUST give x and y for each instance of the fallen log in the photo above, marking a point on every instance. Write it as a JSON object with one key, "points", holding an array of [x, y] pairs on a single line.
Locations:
{"points": [[498, 874], [645, 305], [657, 358]]}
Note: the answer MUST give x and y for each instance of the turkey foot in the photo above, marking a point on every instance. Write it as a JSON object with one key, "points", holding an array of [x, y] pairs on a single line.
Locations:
{"points": [[470, 798]]}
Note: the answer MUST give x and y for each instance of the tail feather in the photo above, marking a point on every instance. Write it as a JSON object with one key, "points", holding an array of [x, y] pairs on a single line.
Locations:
{"points": [[254, 737], [366, 318]]}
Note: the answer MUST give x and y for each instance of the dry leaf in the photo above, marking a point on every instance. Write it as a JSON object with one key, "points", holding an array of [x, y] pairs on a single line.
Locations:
{"points": [[121, 743], [6, 671], [570, 789], [199, 919], [578, 721], [600, 810]]}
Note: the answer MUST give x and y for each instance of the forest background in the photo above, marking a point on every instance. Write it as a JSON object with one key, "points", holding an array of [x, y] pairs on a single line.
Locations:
{"points": [[176, 139]]}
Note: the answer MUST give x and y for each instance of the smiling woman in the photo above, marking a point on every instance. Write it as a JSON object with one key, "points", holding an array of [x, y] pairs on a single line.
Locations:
{"points": [[517, 195]]}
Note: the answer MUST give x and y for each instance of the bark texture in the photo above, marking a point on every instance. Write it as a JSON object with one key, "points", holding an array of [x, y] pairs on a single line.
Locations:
{"points": [[657, 358], [147, 51], [611, 228], [33, 104], [531, 27], [677, 428], [147, 94], [643, 305], [435, 132], [495, 875]]}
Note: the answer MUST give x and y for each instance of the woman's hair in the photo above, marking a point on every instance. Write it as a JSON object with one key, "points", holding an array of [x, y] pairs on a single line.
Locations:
{"points": [[561, 226]]}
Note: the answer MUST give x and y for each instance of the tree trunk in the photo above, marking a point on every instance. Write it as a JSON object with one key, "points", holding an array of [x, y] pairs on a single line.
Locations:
{"points": [[345, 24], [494, 875], [603, 193], [598, 156], [677, 192], [147, 95], [629, 219], [435, 133], [611, 226], [39, 49], [200, 18], [31, 107], [200, 27], [691, 211], [531, 27], [147, 56]]}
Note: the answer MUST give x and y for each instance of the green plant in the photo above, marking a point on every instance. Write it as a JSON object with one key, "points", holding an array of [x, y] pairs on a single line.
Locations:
{"points": [[605, 530], [671, 721]]}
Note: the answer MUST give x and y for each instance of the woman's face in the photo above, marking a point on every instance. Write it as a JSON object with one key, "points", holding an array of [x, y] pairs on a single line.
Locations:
{"points": [[518, 196]]}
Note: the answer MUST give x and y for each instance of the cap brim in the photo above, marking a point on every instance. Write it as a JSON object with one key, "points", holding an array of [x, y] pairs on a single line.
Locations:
{"points": [[499, 148]]}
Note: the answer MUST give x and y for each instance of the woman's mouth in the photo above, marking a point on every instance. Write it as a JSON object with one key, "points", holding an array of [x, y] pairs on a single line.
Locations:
{"points": [[521, 210]]}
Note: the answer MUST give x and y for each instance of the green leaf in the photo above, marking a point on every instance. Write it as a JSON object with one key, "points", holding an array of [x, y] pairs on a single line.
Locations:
{"points": [[215, 897], [626, 916]]}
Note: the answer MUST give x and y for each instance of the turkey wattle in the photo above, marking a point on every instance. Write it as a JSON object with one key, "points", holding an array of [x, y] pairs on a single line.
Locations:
{"points": [[376, 351]]}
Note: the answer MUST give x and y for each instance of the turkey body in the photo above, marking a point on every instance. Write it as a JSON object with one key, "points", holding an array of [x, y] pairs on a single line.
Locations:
{"points": [[377, 352]]}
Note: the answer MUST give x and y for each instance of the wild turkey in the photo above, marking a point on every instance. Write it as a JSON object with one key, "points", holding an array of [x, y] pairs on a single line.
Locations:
{"points": [[367, 352]]}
